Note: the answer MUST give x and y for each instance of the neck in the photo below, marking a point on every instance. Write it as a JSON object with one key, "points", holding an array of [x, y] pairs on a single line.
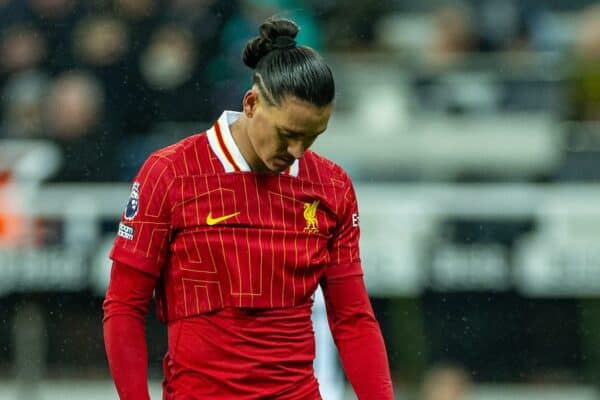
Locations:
{"points": [[239, 132]]}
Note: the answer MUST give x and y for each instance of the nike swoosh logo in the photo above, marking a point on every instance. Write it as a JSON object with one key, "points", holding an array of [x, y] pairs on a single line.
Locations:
{"points": [[213, 221]]}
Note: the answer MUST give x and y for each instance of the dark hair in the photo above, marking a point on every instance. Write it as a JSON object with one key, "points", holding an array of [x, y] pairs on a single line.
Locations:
{"points": [[281, 68]]}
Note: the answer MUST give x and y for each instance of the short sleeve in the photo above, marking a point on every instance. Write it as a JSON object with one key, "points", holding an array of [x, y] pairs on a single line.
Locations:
{"points": [[145, 227], [344, 246]]}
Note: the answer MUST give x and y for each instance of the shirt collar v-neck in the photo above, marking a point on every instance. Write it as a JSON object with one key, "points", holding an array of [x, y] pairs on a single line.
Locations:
{"points": [[222, 144]]}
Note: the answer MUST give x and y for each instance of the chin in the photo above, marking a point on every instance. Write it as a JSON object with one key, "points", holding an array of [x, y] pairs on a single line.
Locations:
{"points": [[276, 170], [278, 166], [269, 167]]}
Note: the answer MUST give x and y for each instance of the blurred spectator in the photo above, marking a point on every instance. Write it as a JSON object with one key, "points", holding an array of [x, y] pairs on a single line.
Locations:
{"points": [[172, 84], [349, 24], [167, 77], [21, 48], [136, 10], [74, 109], [169, 60], [55, 20], [141, 17], [52, 9], [191, 13], [205, 20], [454, 35], [446, 382], [100, 40], [101, 44], [585, 79], [74, 105], [22, 105]]}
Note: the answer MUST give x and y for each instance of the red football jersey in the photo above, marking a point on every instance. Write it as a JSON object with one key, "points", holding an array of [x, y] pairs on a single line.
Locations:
{"points": [[239, 255], [222, 236]]}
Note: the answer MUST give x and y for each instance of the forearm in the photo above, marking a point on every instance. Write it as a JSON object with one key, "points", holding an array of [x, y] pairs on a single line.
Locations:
{"points": [[365, 360], [125, 344], [125, 307], [358, 338]]}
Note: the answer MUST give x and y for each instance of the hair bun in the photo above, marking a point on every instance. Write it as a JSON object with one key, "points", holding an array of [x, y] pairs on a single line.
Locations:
{"points": [[274, 34], [283, 42]]}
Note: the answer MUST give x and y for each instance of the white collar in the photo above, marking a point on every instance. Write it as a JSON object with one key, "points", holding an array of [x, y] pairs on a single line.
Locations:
{"points": [[222, 144]]}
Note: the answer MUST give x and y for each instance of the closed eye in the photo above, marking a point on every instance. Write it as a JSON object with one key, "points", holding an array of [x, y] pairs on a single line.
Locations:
{"points": [[297, 135], [291, 135]]}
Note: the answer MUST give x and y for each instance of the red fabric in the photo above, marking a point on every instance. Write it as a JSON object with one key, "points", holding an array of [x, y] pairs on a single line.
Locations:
{"points": [[236, 293], [271, 252], [271, 350], [358, 338], [242, 354], [125, 308]]}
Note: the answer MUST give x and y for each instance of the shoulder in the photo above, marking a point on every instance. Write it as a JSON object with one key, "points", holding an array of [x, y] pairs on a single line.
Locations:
{"points": [[326, 170], [184, 157]]}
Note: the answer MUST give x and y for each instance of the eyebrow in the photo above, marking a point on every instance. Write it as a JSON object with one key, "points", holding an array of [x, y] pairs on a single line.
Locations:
{"points": [[293, 132]]}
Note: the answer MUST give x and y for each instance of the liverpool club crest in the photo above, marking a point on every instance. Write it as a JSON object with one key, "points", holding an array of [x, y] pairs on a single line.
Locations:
{"points": [[310, 215]]}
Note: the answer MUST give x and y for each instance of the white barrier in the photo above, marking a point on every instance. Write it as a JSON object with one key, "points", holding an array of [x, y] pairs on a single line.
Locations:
{"points": [[402, 245]]}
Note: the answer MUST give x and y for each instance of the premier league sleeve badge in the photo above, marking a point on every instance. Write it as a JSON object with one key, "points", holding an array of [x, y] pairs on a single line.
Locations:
{"points": [[134, 202]]}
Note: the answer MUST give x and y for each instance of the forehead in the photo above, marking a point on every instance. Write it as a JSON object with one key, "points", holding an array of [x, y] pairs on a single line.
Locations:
{"points": [[301, 116]]}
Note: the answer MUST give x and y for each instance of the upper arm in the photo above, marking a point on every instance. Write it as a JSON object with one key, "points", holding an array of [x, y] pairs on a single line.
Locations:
{"points": [[344, 246], [145, 226]]}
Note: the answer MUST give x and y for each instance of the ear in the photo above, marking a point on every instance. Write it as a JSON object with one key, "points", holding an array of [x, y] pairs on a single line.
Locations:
{"points": [[250, 102]]}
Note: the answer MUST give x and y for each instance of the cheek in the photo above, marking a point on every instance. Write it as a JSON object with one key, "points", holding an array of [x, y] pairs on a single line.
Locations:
{"points": [[271, 145], [267, 140], [264, 142]]}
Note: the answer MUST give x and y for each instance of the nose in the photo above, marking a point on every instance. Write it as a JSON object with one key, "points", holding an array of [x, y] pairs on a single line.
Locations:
{"points": [[296, 148]]}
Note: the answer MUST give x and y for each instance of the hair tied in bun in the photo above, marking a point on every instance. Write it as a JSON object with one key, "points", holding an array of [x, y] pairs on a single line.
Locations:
{"points": [[283, 42]]}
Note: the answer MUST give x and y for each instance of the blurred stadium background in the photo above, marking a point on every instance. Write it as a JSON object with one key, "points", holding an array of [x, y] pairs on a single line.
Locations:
{"points": [[471, 129]]}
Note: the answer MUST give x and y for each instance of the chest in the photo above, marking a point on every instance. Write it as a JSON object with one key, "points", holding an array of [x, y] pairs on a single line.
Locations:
{"points": [[254, 202]]}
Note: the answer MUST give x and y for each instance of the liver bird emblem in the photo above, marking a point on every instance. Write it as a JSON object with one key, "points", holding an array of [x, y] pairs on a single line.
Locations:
{"points": [[310, 215]]}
